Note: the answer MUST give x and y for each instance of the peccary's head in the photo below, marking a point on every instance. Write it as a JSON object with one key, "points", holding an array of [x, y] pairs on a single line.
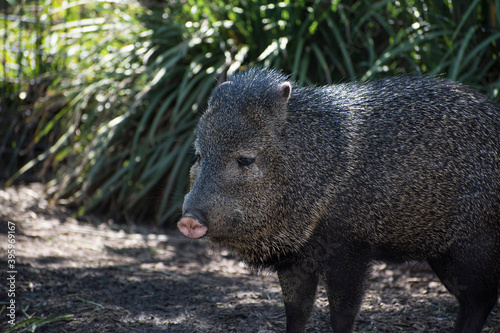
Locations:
{"points": [[241, 179]]}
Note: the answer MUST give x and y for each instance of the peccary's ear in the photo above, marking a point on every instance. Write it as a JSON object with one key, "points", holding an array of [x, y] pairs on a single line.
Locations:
{"points": [[284, 91], [219, 93], [281, 96], [221, 87], [223, 83]]}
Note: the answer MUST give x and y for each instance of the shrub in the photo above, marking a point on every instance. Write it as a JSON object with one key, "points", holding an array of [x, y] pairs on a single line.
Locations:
{"points": [[124, 81]]}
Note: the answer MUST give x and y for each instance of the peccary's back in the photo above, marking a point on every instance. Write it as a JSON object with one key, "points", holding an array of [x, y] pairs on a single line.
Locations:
{"points": [[409, 163]]}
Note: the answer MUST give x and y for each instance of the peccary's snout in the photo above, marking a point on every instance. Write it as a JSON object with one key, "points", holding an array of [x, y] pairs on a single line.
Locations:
{"points": [[193, 223], [191, 226]]}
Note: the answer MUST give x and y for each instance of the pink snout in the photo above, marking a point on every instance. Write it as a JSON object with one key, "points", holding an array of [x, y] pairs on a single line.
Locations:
{"points": [[191, 227]]}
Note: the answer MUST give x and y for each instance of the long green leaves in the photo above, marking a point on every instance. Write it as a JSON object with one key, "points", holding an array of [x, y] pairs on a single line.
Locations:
{"points": [[125, 83]]}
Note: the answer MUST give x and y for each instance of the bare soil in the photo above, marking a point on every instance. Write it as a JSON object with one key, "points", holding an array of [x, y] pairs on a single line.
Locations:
{"points": [[115, 278]]}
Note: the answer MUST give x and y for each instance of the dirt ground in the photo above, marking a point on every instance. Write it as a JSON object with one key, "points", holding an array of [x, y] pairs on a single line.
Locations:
{"points": [[94, 276]]}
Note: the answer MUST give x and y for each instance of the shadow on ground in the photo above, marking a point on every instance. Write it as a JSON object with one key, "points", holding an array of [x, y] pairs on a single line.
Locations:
{"points": [[149, 280]]}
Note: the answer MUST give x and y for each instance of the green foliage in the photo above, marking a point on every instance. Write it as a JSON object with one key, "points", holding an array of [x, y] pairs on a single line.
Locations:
{"points": [[125, 80], [33, 323]]}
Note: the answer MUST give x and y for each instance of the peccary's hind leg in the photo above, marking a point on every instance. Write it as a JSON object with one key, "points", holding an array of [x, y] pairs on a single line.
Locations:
{"points": [[299, 290], [475, 287]]}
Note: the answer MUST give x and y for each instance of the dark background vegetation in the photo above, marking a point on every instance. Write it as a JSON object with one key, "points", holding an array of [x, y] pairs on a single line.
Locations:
{"points": [[100, 99]]}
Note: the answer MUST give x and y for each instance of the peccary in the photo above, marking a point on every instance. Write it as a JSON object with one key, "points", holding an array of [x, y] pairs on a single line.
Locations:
{"points": [[318, 182]]}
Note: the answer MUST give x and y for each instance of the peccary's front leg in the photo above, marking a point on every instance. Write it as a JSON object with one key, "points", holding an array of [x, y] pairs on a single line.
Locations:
{"points": [[299, 290], [344, 282]]}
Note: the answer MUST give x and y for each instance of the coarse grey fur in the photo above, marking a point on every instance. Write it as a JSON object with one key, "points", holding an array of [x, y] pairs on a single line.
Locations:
{"points": [[317, 182]]}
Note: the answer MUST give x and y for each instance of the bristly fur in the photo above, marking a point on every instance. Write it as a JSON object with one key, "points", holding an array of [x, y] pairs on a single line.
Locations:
{"points": [[405, 168]]}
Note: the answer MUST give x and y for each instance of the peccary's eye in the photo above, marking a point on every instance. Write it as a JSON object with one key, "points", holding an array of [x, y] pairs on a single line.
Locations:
{"points": [[196, 158], [245, 161]]}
